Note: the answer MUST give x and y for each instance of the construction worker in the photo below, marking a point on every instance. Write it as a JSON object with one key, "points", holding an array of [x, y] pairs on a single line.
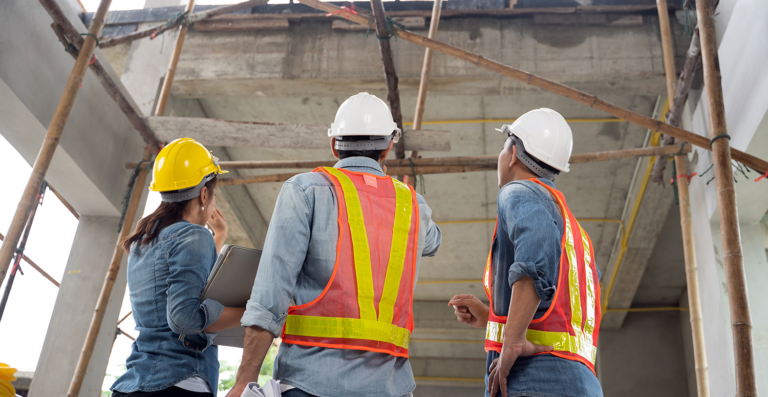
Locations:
{"points": [[344, 243], [540, 276], [171, 254]]}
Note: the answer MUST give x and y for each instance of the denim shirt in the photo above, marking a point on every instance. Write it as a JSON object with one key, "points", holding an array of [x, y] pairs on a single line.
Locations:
{"points": [[529, 232], [165, 280], [297, 263]]}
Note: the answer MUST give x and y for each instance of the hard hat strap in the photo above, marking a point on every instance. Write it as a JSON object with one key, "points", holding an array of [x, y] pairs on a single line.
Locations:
{"points": [[186, 194], [372, 143], [523, 156]]}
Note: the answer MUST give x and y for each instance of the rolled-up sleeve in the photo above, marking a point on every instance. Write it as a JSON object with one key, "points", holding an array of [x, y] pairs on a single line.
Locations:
{"points": [[536, 237], [433, 236], [284, 252], [190, 258]]}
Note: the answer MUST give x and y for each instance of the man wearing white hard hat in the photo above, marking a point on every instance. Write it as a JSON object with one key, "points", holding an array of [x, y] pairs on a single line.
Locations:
{"points": [[540, 275], [344, 245]]}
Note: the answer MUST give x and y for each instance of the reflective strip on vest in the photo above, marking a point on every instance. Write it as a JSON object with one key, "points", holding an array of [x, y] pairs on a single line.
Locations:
{"points": [[562, 341], [350, 328], [368, 326]]}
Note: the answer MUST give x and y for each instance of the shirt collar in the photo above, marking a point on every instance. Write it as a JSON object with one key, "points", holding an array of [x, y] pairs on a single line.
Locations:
{"points": [[545, 181], [360, 164]]}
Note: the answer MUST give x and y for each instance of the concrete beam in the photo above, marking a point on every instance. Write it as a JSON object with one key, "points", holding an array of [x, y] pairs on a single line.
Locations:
{"points": [[649, 222], [98, 137], [312, 60], [212, 132]]}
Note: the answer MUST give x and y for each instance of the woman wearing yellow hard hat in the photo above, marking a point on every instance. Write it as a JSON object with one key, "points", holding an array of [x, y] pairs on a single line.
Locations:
{"points": [[171, 254]]}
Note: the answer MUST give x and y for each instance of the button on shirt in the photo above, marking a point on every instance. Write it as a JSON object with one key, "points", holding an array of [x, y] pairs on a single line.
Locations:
{"points": [[297, 263], [529, 232]]}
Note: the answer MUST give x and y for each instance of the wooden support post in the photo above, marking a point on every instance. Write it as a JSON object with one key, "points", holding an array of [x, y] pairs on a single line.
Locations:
{"points": [[109, 283], [165, 91], [73, 42], [199, 16], [692, 279], [20, 251], [686, 224], [436, 165], [388, 59], [551, 86], [484, 161], [667, 48], [425, 68], [741, 321], [52, 137]]}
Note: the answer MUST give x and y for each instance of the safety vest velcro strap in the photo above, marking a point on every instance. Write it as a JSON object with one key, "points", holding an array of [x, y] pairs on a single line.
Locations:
{"points": [[348, 328]]}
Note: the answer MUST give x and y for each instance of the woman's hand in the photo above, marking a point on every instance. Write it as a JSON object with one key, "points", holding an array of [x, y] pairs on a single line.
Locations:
{"points": [[220, 228], [470, 310]]}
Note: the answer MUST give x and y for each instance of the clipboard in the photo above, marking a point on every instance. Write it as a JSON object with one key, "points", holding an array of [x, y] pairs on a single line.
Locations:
{"points": [[230, 283]]}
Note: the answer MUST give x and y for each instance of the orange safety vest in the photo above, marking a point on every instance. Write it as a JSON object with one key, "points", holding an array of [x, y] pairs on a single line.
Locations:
{"points": [[368, 302], [572, 322]]}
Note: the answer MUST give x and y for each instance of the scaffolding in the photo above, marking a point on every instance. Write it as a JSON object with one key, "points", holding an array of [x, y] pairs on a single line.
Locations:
{"points": [[82, 46]]}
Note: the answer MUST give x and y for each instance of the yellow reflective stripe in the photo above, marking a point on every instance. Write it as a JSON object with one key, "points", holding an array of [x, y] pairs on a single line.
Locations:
{"points": [[494, 331], [589, 326], [400, 230], [564, 341], [359, 236], [561, 341], [348, 328], [573, 277]]}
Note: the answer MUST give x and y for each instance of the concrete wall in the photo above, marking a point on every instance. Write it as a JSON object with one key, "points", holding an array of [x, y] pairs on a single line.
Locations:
{"points": [[644, 358]]}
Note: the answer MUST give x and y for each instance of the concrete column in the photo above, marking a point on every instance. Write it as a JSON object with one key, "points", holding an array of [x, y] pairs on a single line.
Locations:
{"points": [[86, 268]]}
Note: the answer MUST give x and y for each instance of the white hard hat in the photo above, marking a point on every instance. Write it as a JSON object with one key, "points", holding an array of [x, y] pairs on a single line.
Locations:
{"points": [[545, 135], [364, 115]]}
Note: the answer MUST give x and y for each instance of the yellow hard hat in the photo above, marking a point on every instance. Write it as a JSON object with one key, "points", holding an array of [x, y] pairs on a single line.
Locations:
{"points": [[6, 377], [182, 168]]}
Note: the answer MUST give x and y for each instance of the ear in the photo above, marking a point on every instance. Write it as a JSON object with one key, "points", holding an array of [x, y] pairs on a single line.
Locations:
{"points": [[333, 148], [204, 195], [514, 157], [385, 153]]}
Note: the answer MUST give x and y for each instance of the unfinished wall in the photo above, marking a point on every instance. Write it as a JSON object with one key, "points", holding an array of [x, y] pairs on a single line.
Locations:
{"points": [[643, 358]]}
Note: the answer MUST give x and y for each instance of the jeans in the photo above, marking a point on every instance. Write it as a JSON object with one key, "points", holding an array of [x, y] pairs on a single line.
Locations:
{"points": [[546, 375], [172, 391]]}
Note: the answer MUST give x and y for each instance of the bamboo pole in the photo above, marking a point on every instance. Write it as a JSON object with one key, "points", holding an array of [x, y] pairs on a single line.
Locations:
{"points": [[686, 223], [20, 251], [109, 283], [73, 42], [667, 49], [692, 280], [168, 80], [741, 322], [485, 161], [440, 165], [390, 75], [421, 99], [551, 86], [198, 16], [64, 202], [52, 137], [35, 266]]}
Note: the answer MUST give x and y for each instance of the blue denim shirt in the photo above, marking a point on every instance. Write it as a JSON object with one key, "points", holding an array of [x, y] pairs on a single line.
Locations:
{"points": [[530, 229], [297, 263], [165, 280]]}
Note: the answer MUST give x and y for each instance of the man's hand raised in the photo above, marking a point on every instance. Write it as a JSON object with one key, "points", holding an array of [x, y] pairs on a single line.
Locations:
{"points": [[470, 310]]}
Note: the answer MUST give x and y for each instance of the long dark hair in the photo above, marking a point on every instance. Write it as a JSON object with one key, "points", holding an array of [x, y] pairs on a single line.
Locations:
{"points": [[165, 215]]}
